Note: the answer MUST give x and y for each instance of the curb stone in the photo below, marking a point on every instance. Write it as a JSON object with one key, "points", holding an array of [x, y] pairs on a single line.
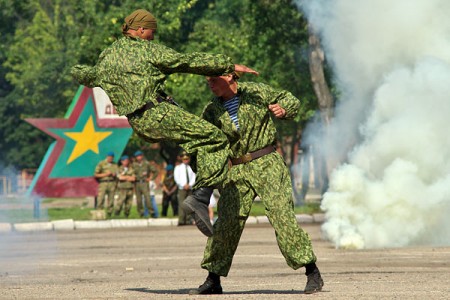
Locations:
{"points": [[93, 224], [70, 224], [118, 223], [5, 227], [319, 218], [252, 220], [304, 218], [37, 226], [262, 220], [161, 222]]}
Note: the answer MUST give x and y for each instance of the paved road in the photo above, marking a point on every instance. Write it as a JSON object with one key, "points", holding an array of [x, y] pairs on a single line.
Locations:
{"points": [[163, 263]]}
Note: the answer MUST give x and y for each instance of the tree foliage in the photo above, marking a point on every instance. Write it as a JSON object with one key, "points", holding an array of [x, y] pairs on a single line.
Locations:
{"points": [[42, 39]]}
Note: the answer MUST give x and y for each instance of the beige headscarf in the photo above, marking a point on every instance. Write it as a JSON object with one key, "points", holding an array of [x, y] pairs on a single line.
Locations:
{"points": [[139, 18]]}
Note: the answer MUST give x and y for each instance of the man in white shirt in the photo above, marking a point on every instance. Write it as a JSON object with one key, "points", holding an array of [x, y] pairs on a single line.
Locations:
{"points": [[185, 179]]}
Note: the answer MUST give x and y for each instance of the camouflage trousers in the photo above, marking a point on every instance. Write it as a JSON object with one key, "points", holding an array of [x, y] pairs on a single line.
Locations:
{"points": [[167, 122], [143, 191], [266, 177], [106, 189], [125, 200]]}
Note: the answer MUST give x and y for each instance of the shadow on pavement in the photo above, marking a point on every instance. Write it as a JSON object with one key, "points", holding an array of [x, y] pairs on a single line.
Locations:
{"points": [[186, 292]]}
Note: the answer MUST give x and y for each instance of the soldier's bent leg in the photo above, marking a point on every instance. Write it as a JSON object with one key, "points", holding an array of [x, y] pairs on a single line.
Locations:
{"points": [[195, 135]]}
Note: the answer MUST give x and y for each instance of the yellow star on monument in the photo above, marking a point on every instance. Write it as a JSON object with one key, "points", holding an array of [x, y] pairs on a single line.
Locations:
{"points": [[86, 140]]}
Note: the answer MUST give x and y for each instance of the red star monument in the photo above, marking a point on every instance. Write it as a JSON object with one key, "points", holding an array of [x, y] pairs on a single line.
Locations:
{"points": [[89, 130]]}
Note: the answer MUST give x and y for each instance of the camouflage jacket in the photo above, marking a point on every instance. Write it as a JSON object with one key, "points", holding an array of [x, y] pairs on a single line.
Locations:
{"points": [[122, 183], [104, 166], [257, 129], [143, 170], [132, 71]]}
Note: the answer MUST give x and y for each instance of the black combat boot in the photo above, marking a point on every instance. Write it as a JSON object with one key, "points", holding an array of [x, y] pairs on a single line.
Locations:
{"points": [[197, 205], [315, 282], [209, 287]]}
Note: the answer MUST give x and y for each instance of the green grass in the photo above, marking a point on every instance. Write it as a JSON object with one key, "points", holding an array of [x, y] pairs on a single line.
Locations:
{"points": [[75, 213], [82, 212]]}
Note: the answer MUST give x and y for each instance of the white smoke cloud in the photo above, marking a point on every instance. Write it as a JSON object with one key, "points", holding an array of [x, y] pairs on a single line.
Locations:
{"points": [[392, 64], [19, 254]]}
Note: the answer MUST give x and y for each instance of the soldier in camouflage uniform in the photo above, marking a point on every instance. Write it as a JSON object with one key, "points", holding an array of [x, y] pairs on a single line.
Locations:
{"points": [[144, 173], [170, 189], [132, 71], [243, 113], [125, 187], [105, 172]]}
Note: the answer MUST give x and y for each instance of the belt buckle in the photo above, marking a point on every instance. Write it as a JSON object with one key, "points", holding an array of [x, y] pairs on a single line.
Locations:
{"points": [[246, 158]]}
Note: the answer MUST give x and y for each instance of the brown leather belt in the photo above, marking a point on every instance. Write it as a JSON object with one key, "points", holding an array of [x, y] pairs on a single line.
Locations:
{"points": [[252, 155], [150, 104], [141, 110]]}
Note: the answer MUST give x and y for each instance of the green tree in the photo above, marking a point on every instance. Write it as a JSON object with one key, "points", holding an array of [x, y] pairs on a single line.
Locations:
{"points": [[270, 36], [44, 38]]}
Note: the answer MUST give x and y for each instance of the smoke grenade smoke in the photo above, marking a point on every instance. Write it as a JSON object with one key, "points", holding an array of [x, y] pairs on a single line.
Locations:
{"points": [[19, 252], [391, 61]]}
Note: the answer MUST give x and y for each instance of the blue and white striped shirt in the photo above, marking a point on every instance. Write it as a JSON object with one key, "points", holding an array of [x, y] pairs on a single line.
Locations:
{"points": [[232, 107]]}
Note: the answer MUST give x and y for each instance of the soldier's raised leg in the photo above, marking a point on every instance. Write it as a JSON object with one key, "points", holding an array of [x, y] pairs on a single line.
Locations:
{"points": [[198, 137]]}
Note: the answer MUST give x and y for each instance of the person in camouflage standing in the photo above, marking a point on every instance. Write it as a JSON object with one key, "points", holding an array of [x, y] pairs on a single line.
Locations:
{"points": [[126, 177], [170, 189], [244, 114], [132, 71], [105, 172], [144, 172]]}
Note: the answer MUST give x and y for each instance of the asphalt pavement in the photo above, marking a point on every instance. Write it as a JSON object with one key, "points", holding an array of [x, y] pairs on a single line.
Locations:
{"points": [[163, 262]]}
